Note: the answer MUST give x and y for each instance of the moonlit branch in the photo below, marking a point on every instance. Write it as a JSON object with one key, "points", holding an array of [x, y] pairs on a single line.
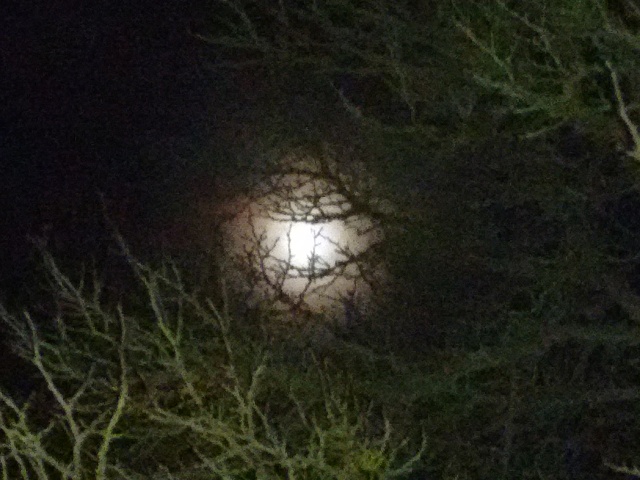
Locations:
{"points": [[308, 234]]}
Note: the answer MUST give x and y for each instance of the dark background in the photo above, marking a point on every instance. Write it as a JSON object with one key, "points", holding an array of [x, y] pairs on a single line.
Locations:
{"points": [[99, 98]]}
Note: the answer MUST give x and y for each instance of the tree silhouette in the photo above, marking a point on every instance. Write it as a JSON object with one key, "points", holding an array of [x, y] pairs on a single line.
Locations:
{"points": [[310, 230]]}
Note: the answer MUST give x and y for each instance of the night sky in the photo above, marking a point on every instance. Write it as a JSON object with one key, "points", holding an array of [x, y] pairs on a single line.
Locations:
{"points": [[99, 97]]}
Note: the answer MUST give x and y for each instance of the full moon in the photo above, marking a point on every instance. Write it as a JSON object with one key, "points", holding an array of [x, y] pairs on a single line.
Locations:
{"points": [[307, 247], [305, 242], [302, 241]]}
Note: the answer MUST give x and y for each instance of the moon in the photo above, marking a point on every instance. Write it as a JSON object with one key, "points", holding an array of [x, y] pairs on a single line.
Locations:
{"points": [[306, 247], [306, 243], [316, 260]]}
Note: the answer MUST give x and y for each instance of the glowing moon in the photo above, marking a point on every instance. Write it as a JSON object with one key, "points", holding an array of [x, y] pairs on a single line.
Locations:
{"points": [[305, 242], [304, 245], [317, 262]]}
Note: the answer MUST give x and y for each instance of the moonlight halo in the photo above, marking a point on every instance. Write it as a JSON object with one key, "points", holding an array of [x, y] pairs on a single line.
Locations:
{"points": [[302, 238]]}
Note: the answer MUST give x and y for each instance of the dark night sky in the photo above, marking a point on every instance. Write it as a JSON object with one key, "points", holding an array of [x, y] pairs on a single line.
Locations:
{"points": [[86, 89]]}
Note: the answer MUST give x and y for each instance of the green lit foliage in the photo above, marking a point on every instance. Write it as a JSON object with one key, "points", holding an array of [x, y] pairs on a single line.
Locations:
{"points": [[454, 72], [554, 63], [164, 385]]}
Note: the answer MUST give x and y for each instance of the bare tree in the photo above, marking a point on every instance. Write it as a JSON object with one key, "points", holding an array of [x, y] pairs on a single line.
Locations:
{"points": [[556, 63], [400, 55], [455, 71], [163, 386], [311, 230]]}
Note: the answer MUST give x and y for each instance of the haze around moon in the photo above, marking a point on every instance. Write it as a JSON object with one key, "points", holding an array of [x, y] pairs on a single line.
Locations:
{"points": [[301, 240]]}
